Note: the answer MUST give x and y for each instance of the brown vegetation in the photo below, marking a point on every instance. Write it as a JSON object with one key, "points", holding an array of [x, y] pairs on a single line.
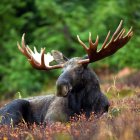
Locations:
{"points": [[121, 123]]}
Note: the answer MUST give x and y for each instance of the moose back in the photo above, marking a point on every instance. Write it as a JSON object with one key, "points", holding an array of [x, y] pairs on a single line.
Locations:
{"points": [[78, 88]]}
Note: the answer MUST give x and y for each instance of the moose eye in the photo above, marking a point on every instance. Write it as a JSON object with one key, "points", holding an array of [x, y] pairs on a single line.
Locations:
{"points": [[79, 70]]}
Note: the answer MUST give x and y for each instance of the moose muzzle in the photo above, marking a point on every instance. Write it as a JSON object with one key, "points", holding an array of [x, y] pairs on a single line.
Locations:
{"points": [[63, 88]]}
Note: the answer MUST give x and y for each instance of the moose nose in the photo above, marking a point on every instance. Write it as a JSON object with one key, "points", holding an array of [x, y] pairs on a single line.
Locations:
{"points": [[63, 88]]}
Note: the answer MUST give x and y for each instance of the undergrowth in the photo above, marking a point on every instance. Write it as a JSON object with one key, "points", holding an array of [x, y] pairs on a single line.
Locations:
{"points": [[122, 122]]}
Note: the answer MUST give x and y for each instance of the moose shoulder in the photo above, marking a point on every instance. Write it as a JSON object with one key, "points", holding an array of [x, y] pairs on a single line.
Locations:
{"points": [[78, 88]]}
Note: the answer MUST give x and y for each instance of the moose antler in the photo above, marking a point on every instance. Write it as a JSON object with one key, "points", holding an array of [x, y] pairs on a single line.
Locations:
{"points": [[117, 41], [37, 60]]}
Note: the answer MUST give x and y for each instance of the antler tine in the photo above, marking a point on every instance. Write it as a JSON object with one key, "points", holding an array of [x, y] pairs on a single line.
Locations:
{"points": [[29, 50], [43, 57], [117, 30], [23, 48], [130, 32], [117, 41], [105, 42], [84, 46], [23, 42], [92, 45], [40, 60], [120, 34]]}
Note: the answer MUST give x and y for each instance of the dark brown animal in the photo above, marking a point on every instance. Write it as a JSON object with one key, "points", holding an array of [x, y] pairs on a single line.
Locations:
{"points": [[78, 88]]}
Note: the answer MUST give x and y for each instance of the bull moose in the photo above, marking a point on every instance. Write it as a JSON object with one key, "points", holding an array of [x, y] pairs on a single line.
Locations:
{"points": [[77, 88]]}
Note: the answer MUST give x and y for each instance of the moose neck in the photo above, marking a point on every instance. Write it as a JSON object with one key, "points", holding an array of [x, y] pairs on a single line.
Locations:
{"points": [[84, 95]]}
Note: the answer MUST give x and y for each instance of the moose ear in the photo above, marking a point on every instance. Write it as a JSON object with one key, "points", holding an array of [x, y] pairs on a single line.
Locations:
{"points": [[59, 57]]}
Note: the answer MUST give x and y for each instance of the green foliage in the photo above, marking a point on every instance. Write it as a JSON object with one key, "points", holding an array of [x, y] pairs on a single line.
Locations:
{"points": [[115, 112], [54, 25]]}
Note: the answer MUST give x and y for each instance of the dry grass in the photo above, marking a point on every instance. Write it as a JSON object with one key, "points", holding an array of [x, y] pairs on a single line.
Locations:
{"points": [[121, 123]]}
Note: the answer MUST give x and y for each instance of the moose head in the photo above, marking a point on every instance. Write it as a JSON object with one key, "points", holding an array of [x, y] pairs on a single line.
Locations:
{"points": [[78, 82]]}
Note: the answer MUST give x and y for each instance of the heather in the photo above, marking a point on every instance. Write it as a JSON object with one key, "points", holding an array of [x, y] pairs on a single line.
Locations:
{"points": [[122, 122]]}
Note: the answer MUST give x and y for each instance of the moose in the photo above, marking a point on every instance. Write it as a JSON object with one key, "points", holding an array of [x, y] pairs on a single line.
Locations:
{"points": [[77, 88]]}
